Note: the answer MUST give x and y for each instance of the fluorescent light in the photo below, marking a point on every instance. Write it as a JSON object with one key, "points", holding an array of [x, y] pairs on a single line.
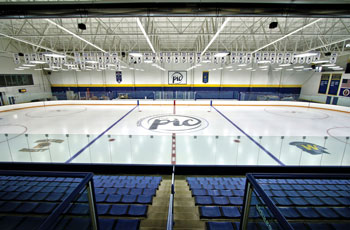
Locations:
{"points": [[199, 65], [250, 68], [217, 34], [64, 29], [206, 61], [287, 64], [306, 54], [328, 65], [287, 35], [135, 54], [347, 45], [89, 67], [309, 68], [47, 68], [253, 70], [242, 65], [92, 62], [131, 68], [289, 69], [239, 69], [37, 69], [320, 61], [19, 69], [54, 55], [123, 67], [23, 67], [262, 62], [229, 67], [299, 70], [298, 67], [264, 69], [231, 70], [38, 62], [145, 34], [220, 68], [28, 65], [264, 66], [221, 54], [337, 69], [214, 69], [148, 61]]}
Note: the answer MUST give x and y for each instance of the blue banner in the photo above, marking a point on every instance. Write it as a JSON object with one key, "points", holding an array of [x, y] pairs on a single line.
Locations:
{"points": [[118, 76], [205, 76], [334, 85], [324, 83]]}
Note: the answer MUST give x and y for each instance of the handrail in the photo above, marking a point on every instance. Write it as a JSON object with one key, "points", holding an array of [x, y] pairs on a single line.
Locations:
{"points": [[170, 220]]}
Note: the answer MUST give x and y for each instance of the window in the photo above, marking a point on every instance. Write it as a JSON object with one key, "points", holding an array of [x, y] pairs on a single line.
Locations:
{"points": [[16, 80]]}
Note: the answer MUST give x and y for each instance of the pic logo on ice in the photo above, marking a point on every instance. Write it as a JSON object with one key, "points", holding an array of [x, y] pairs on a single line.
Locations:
{"points": [[172, 123]]}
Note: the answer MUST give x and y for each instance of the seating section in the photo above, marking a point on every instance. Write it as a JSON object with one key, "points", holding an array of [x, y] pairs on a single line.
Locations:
{"points": [[25, 201]]}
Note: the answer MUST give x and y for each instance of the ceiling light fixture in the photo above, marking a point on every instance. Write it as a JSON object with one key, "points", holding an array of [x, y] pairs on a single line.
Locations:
{"points": [[216, 35], [144, 34]]}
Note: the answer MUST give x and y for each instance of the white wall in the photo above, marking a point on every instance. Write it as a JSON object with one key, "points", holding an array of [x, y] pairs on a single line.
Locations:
{"points": [[40, 89], [153, 76]]}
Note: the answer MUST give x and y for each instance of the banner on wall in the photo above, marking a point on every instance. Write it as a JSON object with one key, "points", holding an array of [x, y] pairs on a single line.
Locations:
{"points": [[177, 77], [334, 85], [324, 83], [205, 76], [345, 88], [118, 76]]}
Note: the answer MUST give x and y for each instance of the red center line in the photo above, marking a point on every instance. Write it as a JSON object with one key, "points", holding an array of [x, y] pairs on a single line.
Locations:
{"points": [[173, 142]]}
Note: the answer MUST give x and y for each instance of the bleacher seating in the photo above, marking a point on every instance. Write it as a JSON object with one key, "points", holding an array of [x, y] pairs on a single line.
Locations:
{"points": [[25, 201]]}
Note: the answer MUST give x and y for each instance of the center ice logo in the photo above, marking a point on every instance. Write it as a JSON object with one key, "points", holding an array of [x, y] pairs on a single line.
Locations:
{"points": [[172, 123], [310, 147]]}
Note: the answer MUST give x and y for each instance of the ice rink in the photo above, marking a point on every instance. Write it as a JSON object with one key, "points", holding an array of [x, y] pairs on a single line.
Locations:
{"points": [[227, 133]]}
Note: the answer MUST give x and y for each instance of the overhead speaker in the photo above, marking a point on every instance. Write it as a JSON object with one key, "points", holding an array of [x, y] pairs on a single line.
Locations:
{"points": [[21, 54], [81, 26], [313, 66], [123, 54], [327, 54], [46, 72], [273, 25]]}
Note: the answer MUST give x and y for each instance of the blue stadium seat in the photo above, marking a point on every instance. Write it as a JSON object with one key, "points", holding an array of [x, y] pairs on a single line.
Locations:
{"points": [[203, 200], [279, 193], [78, 223], [123, 191], [100, 197], [219, 186], [45, 208], [208, 186], [292, 193], [297, 187], [331, 193], [199, 192], [54, 196], [318, 193], [137, 210], [110, 190], [26, 207], [220, 200], [231, 212], [327, 213], [144, 199], [238, 192], [309, 187], [210, 212], [129, 199], [308, 213], [289, 213], [118, 210], [226, 192], [284, 201], [30, 223], [61, 189], [343, 200], [329, 201], [236, 200], [213, 192], [219, 226], [298, 201], [80, 209], [10, 222], [314, 201], [127, 224], [141, 186], [99, 190], [25, 196], [102, 209], [10, 196], [39, 196], [149, 191], [286, 187], [9, 206], [343, 212], [106, 224], [35, 189], [113, 198], [48, 189], [136, 191]]}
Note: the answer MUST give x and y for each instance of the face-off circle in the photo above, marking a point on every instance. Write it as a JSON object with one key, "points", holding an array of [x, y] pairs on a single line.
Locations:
{"points": [[169, 123]]}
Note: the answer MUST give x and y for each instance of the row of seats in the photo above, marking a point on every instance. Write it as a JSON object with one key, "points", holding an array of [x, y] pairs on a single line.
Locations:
{"points": [[220, 179], [126, 185], [129, 199], [126, 191], [35, 196], [25, 223], [210, 186], [312, 201], [315, 213], [219, 212], [308, 193], [303, 181], [38, 188], [262, 226], [5, 179], [122, 210], [218, 200], [105, 177], [321, 187], [217, 192]]}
